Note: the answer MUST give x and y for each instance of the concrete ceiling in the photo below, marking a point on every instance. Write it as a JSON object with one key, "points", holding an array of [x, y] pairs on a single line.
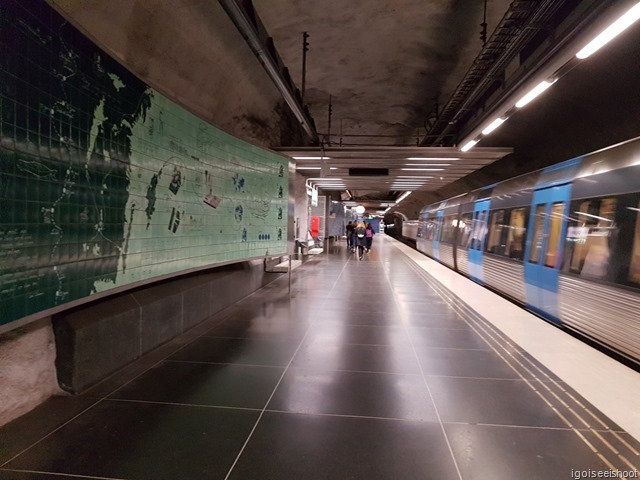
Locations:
{"points": [[391, 69], [385, 63]]}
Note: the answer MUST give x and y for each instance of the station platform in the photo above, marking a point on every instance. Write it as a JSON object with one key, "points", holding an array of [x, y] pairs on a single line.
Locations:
{"points": [[393, 367]]}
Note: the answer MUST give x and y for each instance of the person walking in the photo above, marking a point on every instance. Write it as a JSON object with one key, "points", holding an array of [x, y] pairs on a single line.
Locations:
{"points": [[361, 240], [369, 237], [349, 232]]}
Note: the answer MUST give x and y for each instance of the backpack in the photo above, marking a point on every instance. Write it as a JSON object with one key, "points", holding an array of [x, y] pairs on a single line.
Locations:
{"points": [[360, 232]]}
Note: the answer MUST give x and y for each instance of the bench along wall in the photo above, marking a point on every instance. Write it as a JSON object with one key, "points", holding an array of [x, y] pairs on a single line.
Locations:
{"points": [[108, 186]]}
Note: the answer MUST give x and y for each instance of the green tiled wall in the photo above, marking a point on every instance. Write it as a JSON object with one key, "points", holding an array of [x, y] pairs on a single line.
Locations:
{"points": [[105, 183]]}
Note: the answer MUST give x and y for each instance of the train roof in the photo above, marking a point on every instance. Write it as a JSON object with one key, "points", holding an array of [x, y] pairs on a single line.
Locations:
{"points": [[517, 191]]}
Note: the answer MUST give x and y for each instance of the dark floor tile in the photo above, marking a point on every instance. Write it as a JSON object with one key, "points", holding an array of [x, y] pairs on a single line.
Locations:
{"points": [[466, 363], [424, 337], [504, 453], [352, 316], [415, 296], [265, 327], [26, 430], [358, 334], [430, 320], [30, 475], [363, 358], [354, 287], [429, 317], [204, 384], [348, 297], [501, 402], [143, 441], [287, 446], [354, 393], [237, 350]]}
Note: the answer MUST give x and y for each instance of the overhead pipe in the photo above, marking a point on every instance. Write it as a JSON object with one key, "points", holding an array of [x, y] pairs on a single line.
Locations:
{"points": [[248, 29]]}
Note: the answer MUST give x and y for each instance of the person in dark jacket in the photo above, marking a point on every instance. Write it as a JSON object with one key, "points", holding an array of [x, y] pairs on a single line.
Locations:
{"points": [[349, 232], [369, 237]]}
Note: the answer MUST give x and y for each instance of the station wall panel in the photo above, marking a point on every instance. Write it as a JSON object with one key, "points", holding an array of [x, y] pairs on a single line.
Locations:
{"points": [[106, 183]]}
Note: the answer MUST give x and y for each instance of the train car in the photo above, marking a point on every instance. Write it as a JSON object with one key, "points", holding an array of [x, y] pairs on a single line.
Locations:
{"points": [[563, 241]]}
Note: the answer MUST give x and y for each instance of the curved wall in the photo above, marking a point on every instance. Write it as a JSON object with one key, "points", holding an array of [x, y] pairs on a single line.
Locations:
{"points": [[105, 183]]}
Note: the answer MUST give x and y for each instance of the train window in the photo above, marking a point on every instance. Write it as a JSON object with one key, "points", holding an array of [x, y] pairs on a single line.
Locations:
{"points": [[438, 234], [429, 227], [464, 227], [591, 231], [449, 229], [517, 233], [555, 229], [494, 245], [634, 266], [538, 231], [478, 230]]}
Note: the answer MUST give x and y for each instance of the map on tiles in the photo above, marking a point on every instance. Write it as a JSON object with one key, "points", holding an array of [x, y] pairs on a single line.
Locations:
{"points": [[105, 183]]}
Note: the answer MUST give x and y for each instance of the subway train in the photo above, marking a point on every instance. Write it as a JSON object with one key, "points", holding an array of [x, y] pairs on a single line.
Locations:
{"points": [[563, 241]]}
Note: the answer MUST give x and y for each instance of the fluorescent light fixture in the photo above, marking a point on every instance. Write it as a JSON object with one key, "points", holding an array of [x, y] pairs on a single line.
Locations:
{"points": [[611, 32], [402, 197], [313, 168], [493, 125], [427, 164], [360, 209], [535, 91], [439, 159], [413, 176], [312, 158], [423, 169], [469, 145]]}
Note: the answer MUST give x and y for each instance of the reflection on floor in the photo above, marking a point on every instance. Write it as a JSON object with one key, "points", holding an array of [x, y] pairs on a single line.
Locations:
{"points": [[367, 369]]}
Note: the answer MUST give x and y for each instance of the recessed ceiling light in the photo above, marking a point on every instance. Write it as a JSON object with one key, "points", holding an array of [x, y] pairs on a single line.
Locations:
{"points": [[424, 169], [427, 164], [440, 159]]}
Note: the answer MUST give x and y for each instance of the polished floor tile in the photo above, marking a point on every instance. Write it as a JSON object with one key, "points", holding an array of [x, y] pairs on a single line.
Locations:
{"points": [[490, 401], [310, 447], [504, 453], [143, 441], [269, 326], [237, 350], [466, 363], [358, 334], [223, 385], [355, 394], [362, 358]]}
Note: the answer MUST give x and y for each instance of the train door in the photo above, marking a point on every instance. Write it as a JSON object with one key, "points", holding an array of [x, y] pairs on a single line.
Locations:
{"points": [[436, 236], [543, 251], [476, 239]]}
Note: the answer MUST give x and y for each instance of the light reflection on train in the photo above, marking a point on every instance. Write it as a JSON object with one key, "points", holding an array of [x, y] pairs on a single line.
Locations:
{"points": [[563, 241]]}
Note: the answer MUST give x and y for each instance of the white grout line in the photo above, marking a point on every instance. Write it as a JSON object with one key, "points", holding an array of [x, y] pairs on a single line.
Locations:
{"points": [[279, 381], [478, 321], [74, 475], [610, 386], [424, 379]]}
